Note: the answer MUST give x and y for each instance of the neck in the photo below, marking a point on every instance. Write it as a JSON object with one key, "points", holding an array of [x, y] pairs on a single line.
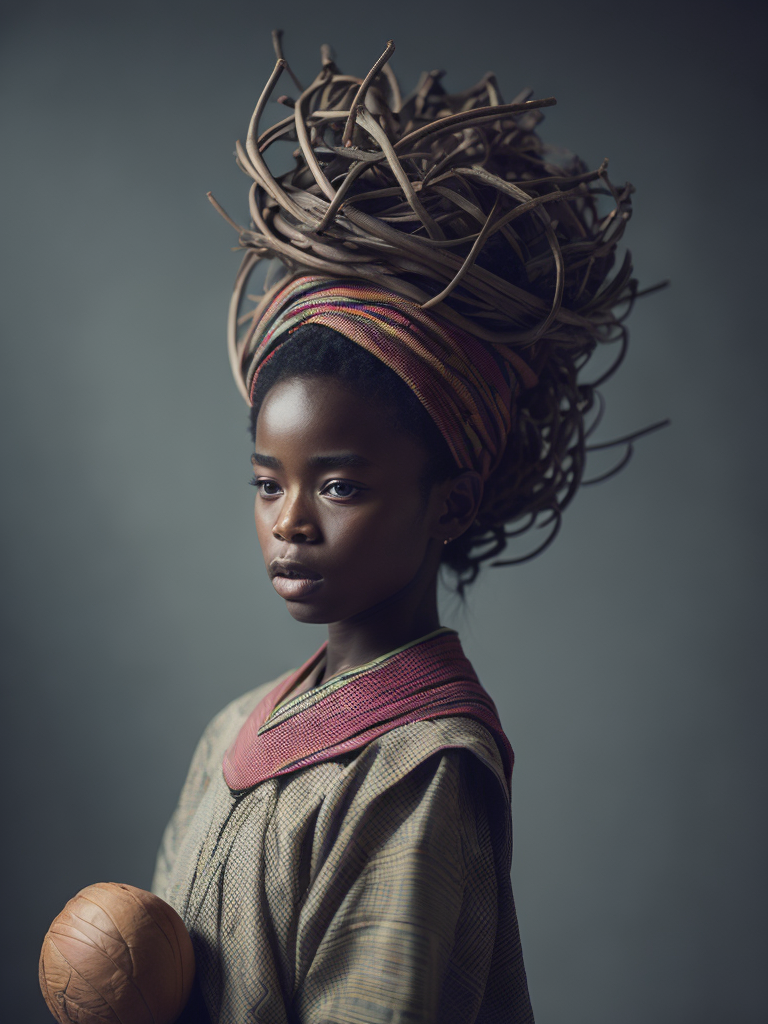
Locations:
{"points": [[400, 619]]}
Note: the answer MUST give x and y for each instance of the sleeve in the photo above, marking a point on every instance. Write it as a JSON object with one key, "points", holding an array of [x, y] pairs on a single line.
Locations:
{"points": [[400, 921]]}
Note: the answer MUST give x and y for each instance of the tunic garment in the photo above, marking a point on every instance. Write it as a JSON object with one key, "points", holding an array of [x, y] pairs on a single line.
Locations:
{"points": [[367, 889]]}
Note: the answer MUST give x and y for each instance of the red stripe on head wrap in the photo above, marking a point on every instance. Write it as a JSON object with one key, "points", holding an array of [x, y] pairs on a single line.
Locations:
{"points": [[465, 386]]}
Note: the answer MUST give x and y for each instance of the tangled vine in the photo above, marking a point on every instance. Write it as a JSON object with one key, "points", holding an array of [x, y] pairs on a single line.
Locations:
{"points": [[454, 201]]}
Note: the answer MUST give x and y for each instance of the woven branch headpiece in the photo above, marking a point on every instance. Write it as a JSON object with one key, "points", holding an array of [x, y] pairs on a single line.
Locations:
{"points": [[417, 195], [453, 202]]}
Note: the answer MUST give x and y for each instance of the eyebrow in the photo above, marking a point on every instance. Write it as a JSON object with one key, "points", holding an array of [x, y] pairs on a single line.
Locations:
{"points": [[268, 461], [350, 459]]}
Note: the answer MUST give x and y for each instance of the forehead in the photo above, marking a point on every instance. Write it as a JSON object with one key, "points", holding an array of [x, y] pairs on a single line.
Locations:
{"points": [[320, 413]]}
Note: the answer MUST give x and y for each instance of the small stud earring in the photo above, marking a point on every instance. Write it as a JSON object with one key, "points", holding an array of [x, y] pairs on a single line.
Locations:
{"points": [[448, 541]]}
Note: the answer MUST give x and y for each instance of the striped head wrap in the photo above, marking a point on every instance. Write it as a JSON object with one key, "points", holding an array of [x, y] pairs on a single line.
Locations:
{"points": [[466, 385]]}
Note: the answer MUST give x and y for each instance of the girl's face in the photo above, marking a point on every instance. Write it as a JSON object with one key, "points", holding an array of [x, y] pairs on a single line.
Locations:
{"points": [[343, 517]]}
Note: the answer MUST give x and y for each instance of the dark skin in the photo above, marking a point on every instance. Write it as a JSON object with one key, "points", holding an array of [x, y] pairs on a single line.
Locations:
{"points": [[350, 533]]}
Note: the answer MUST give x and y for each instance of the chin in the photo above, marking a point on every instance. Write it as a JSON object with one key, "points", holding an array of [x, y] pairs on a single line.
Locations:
{"points": [[322, 613], [304, 611]]}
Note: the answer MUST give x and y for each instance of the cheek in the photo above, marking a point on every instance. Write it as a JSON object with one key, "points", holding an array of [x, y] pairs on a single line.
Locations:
{"points": [[387, 539], [264, 522]]}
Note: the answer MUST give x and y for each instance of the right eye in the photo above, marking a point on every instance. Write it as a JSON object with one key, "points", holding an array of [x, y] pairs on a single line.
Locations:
{"points": [[266, 487]]}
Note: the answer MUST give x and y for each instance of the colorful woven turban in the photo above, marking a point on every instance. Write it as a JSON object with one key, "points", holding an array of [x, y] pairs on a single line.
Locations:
{"points": [[466, 385]]}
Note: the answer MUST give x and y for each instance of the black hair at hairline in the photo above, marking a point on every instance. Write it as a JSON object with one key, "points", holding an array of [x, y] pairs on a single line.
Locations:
{"points": [[318, 351]]}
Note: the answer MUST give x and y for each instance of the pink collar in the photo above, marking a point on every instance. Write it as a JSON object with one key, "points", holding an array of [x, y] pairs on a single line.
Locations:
{"points": [[429, 678]]}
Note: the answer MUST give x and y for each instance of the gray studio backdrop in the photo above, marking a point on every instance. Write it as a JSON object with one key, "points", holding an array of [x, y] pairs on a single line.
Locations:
{"points": [[626, 662]]}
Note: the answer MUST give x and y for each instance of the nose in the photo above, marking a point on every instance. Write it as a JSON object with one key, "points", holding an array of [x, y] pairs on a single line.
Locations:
{"points": [[294, 523]]}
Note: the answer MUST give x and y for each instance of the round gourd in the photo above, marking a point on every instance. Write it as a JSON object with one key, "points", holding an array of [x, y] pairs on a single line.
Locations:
{"points": [[116, 955]]}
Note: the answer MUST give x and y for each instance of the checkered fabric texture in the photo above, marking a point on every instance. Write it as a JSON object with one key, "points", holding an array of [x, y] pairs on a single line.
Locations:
{"points": [[368, 889]]}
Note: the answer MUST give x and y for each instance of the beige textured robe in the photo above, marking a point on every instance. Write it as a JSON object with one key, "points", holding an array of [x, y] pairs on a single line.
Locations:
{"points": [[359, 891]]}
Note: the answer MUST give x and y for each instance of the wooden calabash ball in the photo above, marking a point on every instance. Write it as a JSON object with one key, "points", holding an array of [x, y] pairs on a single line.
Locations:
{"points": [[116, 955]]}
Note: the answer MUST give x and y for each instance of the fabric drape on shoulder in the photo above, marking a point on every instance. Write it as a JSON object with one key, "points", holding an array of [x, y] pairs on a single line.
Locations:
{"points": [[423, 680], [365, 889]]}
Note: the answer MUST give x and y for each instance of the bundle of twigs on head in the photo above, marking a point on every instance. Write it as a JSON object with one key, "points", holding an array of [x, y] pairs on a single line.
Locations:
{"points": [[451, 200]]}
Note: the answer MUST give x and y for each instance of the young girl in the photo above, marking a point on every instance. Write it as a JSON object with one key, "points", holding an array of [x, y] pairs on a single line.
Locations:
{"points": [[341, 849]]}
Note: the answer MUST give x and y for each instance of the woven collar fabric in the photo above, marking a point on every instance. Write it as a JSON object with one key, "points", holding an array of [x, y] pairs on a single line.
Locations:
{"points": [[430, 678], [466, 386]]}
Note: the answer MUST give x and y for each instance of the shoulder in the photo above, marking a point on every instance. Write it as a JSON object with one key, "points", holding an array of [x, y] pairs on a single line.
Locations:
{"points": [[430, 787], [452, 768], [458, 740], [445, 766]]}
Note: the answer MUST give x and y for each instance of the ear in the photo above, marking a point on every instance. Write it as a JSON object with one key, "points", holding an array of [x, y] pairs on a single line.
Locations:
{"points": [[460, 498]]}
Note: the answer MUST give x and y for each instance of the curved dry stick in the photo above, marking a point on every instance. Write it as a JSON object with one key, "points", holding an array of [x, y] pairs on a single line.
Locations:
{"points": [[295, 237], [424, 87], [653, 288], [274, 132], [464, 204], [245, 162], [346, 138], [353, 174], [326, 56], [252, 149], [377, 132], [492, 88], [474, 210], [437, 168], [571, 179], [400, 240], [300, 257], [308, 240], [439, 128], [445, 263], [557, 299], [394, 86], [305, 144], [609, 295], [277, 43], [399, 286], [284, 128], [518, 193], [478, 113], [363, 155], [468, 261], [496, 290], [223, 213], [249, 261], [511, 215], [613, 470]]}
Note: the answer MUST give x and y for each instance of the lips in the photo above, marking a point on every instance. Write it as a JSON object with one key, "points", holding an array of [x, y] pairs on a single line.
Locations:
{"points": [[292, 580]]}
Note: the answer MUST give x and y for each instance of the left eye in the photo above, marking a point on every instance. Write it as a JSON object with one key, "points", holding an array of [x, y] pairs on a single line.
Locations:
{"points": [[340, 489]]}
